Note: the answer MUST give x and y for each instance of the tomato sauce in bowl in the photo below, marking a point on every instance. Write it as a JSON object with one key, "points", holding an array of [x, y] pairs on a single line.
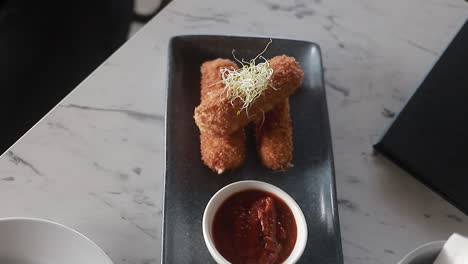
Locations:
{"points": [[254, 226]]}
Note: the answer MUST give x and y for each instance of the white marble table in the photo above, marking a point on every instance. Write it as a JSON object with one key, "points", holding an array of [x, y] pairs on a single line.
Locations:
{"points": [[95, 162]]}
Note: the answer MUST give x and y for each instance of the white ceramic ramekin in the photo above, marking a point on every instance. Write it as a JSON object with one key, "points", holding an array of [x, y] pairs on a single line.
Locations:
{"points": [[219, 197]]}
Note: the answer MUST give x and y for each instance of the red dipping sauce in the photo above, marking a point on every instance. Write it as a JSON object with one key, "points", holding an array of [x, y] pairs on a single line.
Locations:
{"points": [[254, 226]]}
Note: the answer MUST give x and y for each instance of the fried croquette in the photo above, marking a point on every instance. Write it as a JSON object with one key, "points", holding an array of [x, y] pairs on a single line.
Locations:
{"points": [[219, 115], [274, 138], [219, 153]]}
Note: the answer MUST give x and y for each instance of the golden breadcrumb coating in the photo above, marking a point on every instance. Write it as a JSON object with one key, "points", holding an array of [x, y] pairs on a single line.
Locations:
{"points": [[218, 115], [274, 138], [219, 153]]}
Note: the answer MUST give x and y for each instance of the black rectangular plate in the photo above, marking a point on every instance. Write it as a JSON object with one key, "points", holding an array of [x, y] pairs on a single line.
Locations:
{"points": [[189, 184]]}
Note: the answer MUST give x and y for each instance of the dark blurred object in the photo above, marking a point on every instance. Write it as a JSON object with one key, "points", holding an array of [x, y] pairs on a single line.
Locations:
{"points": [[47, 48], [429, 138]]}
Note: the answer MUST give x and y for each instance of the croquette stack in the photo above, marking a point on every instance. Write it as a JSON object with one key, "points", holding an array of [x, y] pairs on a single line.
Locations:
{"points": [[221, 123]]}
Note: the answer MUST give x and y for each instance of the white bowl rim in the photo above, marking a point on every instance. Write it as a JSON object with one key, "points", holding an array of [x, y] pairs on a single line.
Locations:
{"points": [[45, 221], [421, 249], [301, 224]]}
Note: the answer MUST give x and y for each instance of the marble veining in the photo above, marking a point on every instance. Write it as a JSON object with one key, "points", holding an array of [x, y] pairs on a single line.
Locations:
{"points": [[96, 162], [17, 160], [338, 88], [133, 114], [421, 47]]}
